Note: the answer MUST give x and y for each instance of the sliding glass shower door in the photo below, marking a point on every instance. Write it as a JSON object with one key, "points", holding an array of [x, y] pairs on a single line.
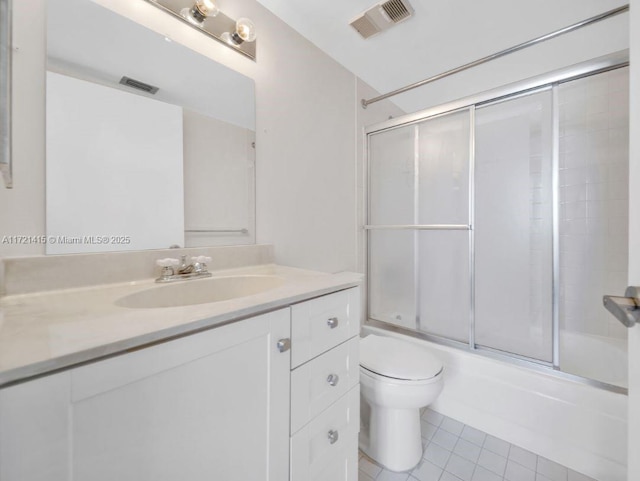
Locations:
{"points": [[433, 267], [513, 226], [392, 251], [419, 226]]}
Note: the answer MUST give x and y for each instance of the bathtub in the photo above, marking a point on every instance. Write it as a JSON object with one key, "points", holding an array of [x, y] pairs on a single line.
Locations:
{"points": [[572, 423], [595, 357]]}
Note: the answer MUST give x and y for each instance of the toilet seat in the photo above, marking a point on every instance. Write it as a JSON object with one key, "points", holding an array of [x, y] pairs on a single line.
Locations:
{"points": [[394, 359], [380, 378]]}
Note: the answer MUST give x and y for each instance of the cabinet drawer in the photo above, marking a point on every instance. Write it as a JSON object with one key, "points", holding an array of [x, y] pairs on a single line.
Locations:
{"points": [[320, 382], [327, 447], [320, 324]]}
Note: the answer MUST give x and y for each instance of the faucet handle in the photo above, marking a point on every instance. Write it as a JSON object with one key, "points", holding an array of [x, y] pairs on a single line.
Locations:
{"points": [[200, 263], [168, 262]]}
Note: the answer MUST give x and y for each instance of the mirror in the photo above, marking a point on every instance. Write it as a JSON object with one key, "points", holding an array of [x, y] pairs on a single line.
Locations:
{"points": [[149, 144]]}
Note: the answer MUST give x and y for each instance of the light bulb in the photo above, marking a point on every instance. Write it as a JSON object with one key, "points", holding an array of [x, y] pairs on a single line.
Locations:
{"points": [[197, 14], [207, 7], [246, 30]]}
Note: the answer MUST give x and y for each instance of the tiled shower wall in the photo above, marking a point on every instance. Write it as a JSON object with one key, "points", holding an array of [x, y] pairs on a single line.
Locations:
{"points": [[594, 200]]}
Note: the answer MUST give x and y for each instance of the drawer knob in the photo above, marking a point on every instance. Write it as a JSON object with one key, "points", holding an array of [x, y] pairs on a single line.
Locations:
{"points": [[333, 436], [333, 379], [332, 322], [284, 345]]}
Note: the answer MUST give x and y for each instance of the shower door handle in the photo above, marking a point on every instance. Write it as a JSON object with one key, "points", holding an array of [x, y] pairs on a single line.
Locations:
{"points": [[626, 309]]}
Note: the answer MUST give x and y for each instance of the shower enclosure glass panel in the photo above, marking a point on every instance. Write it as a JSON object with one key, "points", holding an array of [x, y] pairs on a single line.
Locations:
{"points": [[513, 226], [392, 277], [444, 300], [593, 224], [418, 197], [392, 164], [443, 172]]}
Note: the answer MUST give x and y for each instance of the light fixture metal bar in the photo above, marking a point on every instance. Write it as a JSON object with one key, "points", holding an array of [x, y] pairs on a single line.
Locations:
{"points": [[213, 27], [502, 53]]}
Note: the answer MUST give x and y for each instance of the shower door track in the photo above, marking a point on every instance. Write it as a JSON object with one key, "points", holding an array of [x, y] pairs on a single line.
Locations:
{"points": [[512, 91]]}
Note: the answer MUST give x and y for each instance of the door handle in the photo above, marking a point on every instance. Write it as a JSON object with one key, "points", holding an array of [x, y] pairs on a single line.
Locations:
{"points": [[626, 309]]}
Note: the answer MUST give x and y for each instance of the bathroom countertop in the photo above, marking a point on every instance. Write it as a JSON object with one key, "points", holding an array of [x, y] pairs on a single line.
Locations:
{"points": [[46, 331]]}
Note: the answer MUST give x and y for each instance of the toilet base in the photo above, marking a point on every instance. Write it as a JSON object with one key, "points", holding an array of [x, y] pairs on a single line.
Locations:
{"points": [[394, 438]]}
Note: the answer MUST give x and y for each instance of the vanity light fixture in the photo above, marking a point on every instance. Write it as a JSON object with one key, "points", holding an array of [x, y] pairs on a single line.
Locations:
{"points": [[205, 16]]}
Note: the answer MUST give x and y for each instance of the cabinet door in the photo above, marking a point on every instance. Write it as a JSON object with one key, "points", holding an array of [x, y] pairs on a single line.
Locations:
{"points": [[326, 449], [34, 423], [210, 406]]}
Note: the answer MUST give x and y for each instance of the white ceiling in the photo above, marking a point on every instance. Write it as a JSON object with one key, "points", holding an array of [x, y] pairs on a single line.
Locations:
{"points": [[441, 35]]}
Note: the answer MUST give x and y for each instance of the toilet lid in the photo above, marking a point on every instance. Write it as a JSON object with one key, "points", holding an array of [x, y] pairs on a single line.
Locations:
{"points": [[398, 359]]}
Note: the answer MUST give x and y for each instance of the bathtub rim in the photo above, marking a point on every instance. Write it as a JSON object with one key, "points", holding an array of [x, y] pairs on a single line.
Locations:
{"points": [[508, 358]]}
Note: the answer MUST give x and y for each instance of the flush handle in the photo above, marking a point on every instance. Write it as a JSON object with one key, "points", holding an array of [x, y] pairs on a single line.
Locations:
{"points": [[284, 345], [333, 436], [333, 379], [332, 322]]}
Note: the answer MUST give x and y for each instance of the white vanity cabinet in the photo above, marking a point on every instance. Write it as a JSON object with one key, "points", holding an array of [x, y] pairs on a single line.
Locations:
{"points": [[213, 405], [325, 395], [274, 397]]}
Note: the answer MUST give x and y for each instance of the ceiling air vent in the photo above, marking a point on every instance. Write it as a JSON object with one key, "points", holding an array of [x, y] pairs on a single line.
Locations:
{"points": [[396, 10], [381, 17], [136, 84]]}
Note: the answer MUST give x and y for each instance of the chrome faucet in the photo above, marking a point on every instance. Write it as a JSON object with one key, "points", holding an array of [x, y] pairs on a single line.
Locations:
{"points": [[177, 270]]}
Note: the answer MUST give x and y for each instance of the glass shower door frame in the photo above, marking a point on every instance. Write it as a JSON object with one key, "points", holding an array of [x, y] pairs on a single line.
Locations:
{"points": [[416, 227], [528, 87]]}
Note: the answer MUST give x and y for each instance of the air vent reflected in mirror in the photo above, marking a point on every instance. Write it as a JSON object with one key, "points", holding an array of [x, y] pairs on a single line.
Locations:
{"points": [[136, 84]]}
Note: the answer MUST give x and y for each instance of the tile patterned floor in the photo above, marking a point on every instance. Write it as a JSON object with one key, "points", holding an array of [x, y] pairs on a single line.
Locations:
{"points": [[455, 452]]}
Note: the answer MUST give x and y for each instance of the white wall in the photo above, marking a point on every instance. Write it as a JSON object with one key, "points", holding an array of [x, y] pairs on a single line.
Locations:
{"points": [[634, 242]]}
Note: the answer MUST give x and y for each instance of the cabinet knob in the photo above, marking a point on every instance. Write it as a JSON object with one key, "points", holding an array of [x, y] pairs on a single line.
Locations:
{"points": [[284, 345], [333, 436], [332, 322], [333, 379]]}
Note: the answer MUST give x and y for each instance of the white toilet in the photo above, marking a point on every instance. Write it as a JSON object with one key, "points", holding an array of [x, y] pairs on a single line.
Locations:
{"points": [[397, 378]]}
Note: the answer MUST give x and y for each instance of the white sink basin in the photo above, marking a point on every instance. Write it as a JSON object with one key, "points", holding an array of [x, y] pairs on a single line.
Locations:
{"points": [[199, 291]]}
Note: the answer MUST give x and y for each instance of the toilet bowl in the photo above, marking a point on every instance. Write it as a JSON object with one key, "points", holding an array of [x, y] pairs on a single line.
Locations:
{"points": [[397, 378]]}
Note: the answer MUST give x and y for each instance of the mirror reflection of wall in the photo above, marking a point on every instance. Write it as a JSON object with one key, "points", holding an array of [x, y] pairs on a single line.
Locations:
{"points": [[129, 169]]}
